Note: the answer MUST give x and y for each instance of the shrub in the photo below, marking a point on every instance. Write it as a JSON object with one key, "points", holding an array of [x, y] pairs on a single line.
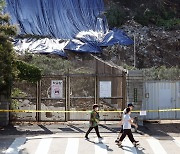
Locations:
{"points": [[162, 73], [28, 72], [116, 16], [7, 55]]}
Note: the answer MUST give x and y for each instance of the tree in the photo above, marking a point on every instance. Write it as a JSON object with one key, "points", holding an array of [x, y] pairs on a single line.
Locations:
{"points": [[7, 55]]}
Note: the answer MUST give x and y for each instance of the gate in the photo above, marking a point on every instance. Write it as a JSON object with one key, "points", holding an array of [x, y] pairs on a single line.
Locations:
{"points": [[105, 90], [24, 97], [52, 92], [76, 92]]}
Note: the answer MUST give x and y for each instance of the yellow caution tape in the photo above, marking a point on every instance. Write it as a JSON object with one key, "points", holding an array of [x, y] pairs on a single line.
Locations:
{"points": [[40, 111]]}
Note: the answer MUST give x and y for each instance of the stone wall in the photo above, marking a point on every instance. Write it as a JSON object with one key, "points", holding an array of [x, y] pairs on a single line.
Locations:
{"points": [[4, 105]]}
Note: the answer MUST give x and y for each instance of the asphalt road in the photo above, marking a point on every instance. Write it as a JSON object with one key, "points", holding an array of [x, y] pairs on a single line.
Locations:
{"points": [[68, 138]]}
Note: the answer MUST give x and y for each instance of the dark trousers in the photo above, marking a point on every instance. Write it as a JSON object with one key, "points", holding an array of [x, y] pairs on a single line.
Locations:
{"points": [[129, 133], [96, 129], [121, 131]]}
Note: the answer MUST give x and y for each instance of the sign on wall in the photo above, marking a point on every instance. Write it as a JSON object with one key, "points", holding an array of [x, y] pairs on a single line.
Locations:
{"points": [[143, 113], [135, 94], [105, 89], [56, 89]]}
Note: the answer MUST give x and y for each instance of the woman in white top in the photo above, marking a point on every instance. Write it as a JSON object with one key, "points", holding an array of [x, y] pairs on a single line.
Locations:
{"points": [[127, 122], [131, 106]]}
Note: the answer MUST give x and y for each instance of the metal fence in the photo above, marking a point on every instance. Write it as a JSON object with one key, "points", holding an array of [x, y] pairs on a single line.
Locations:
{"points": [[79, 93]]}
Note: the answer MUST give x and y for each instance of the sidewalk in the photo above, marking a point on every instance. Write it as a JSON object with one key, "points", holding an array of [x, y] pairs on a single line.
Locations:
{"points": [[157, 128]]}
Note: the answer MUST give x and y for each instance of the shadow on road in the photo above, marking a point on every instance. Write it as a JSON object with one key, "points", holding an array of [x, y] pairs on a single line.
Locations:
{"points": [[17, 130], [101, 144], [151, 129]]}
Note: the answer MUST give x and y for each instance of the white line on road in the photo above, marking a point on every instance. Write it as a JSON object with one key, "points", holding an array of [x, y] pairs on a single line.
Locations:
{"points": [[72, 146], [43, 146], [100, 147], [156, 146], [128, 147], [177, 141], [15, 147]]}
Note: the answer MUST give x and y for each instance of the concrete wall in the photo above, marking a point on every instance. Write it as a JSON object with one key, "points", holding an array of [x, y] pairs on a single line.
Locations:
{"points": [[4, 116], [134, 87]]}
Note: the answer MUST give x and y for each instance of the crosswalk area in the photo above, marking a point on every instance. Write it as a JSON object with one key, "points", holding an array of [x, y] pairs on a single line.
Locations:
{"points": [[54, 144]]}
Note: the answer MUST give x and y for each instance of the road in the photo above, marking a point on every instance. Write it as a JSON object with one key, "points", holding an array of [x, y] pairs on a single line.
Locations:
{"points": [[76, 144], [69, 139]]}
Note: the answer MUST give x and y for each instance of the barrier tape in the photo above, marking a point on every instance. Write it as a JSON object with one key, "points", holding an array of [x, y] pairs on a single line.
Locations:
{"points": [[42, 111]]}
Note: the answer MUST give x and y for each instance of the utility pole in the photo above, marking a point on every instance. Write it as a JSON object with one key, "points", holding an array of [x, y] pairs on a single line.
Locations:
{"points": [[134, 51]]}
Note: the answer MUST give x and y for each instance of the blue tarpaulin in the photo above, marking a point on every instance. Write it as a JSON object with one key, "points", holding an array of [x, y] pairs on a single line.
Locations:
{"points": [[80, 22]]}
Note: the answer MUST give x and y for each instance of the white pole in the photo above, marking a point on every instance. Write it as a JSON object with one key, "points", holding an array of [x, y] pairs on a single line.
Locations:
{"points": [[134, 51]]}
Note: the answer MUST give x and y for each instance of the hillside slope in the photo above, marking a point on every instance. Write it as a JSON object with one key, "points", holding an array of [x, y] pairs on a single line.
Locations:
{"points": [[155, 27]]}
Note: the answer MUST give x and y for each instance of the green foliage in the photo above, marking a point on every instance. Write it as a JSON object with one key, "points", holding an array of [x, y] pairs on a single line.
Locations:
{"points": [[48, 65], [146, 18], [16, 92], [14, 105], [164, 19], [54, 65], [163, 13], [28, 72], [7, 55], [127, 67], [158, 73], [2, 4], [162, 73], [169, 23], [116, 16]]}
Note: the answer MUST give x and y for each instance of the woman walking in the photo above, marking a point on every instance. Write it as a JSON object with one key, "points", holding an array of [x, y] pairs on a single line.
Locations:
{"points": [[131, 106], [94, 121], [127, 122]]}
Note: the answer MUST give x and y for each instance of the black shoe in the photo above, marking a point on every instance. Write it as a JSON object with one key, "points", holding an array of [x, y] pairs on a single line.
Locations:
{"points": [[100, 137], [136, 141], [135, 144], [117, 141], [119, 144], [86, 138]]}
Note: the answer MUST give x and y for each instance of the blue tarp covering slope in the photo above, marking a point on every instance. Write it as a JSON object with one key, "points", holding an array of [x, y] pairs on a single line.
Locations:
{"points": [[80, 21]]}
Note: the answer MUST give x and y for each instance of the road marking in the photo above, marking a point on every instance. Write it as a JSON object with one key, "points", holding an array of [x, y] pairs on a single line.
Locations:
{"points": [[156, 146], [128, 147], [177, 141], [100, 147], [72, 146], [43, 146], [15, 147]]}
